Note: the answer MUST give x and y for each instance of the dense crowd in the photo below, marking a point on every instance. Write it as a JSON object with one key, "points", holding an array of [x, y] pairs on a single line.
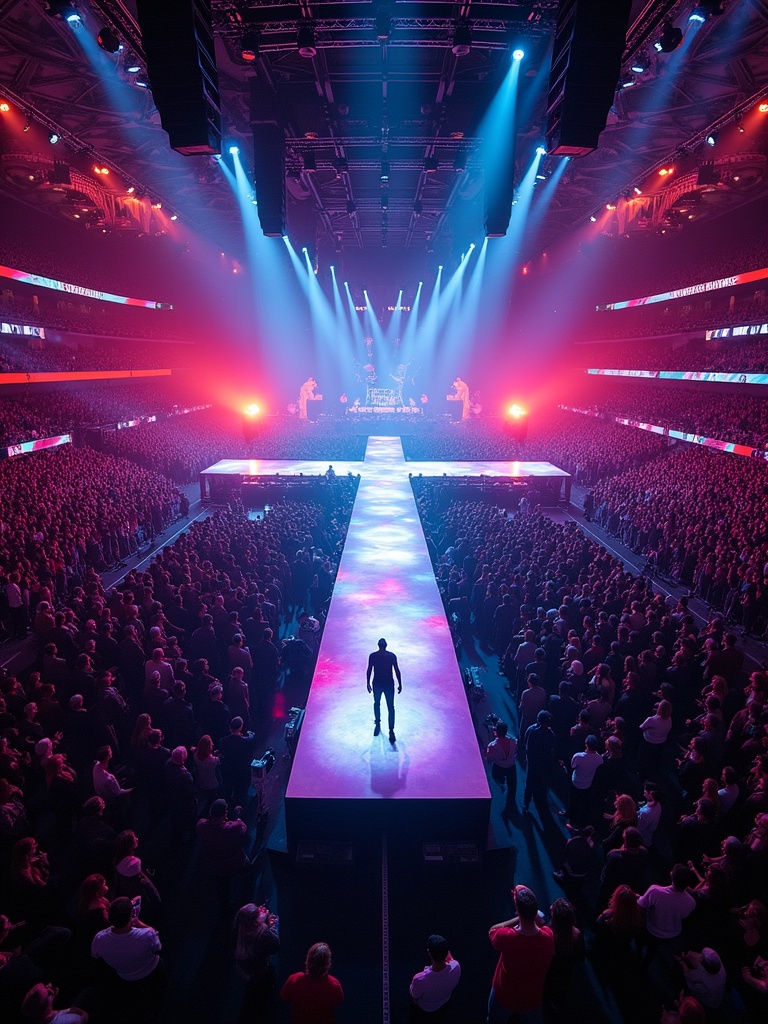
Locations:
{"points": [[733, 355], [583, 446], [69, 512], [143, 714], [89, 317], [47, 413], [695, 408], [19, 354], [181, 449], [658, 266], [652, 731], [699, 516]]}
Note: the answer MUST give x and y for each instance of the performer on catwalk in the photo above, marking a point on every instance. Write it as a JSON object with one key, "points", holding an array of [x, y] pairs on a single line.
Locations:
{"points": [[383, 664]]}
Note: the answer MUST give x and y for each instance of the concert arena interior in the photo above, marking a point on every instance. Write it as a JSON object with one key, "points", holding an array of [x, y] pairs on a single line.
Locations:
{"points": [[383, 511]]}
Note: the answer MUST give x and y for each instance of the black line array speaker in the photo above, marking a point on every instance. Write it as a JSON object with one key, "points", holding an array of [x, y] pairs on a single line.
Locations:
{"points": [[268, 157], [590, 38], [177, 38]]}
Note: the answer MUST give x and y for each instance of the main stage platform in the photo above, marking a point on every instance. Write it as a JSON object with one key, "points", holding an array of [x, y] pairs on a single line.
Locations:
{"points": [[344, 780]]}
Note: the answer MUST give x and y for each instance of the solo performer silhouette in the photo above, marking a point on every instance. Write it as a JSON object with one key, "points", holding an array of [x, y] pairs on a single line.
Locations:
{"points": [[383, 663]]}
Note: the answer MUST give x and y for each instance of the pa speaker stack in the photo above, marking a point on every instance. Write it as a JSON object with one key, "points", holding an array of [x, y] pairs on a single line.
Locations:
{"points": [[590, 38], [177, 38]]}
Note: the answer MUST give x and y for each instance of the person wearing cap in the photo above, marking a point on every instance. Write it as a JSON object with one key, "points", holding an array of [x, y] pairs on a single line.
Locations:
{"points": [[540, 746], [704, 977], [383, 663], [431, 988], [526, 948]]}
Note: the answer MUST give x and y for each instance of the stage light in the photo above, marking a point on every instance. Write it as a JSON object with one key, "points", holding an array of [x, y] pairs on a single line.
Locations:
{"points": [[762, 108], [628, 84], [131, 190], [141, 81], [516, 411], [671, 37], [252, 410], [73, 17], [541, 151], [27, 125], [132, 67], [383, 23], [711, 139], [305, 41], [518, 54], [108, 40], [100, 170], [249, 47], [53, 138], [697, 14], [610, 206], [304, 249], [4, 107], [637, 191], [638, 68], [234, 150], [664, 171], [462, 40], [593, 218], [159, 206], [174, 216]]}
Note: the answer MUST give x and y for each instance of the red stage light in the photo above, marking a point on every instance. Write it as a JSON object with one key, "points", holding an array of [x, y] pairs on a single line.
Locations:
{"points": [[4, 107], [516, 411], [763, 108], [252, 410]]}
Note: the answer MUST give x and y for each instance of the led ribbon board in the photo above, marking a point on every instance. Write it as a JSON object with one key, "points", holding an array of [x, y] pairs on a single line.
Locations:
{"points": [[705, 376], [34, 446], [693, 289], [76, 289]]}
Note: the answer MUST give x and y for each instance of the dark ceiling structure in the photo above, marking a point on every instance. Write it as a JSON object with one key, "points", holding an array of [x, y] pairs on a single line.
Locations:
{"points": [[381, 106]]}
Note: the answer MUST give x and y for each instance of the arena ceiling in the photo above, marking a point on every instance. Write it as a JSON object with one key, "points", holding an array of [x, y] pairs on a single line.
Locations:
{"points": [[361, 99]]}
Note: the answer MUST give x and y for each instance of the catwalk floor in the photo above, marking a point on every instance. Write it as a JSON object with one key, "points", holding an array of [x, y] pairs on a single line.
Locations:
{"points": [[344, 776]]}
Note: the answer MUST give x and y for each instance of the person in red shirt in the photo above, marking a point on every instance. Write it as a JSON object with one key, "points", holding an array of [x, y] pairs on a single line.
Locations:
{"points": [[525, 951], [313, 993]]}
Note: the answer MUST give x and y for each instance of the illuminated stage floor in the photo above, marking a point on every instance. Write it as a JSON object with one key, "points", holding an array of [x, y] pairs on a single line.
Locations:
{"points": [[344, 780]]}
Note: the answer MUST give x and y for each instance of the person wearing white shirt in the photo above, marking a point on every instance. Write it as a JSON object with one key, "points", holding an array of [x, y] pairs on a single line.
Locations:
{"points": [[584, 765], [431, 988], [666, 907], [132, 950]]}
